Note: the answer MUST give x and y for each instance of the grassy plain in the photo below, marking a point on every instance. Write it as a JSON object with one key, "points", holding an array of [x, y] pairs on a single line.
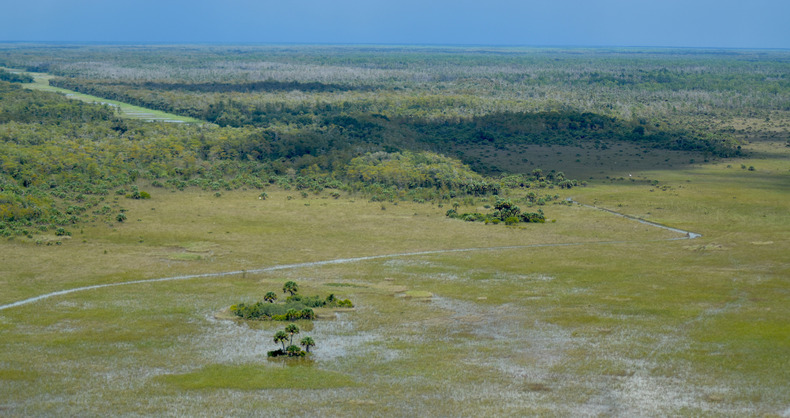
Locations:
{"points": [[619, 320]]}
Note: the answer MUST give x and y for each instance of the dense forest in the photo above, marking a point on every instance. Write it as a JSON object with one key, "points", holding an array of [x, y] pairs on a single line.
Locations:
{"points": [[63, 161], [386, 122]]}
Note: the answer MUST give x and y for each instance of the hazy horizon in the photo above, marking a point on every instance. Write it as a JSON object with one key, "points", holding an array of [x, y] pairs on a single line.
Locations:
{"points": [[729, 24]]}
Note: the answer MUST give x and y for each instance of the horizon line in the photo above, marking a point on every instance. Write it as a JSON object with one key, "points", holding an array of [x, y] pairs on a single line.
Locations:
{"points": [[362, 44]]}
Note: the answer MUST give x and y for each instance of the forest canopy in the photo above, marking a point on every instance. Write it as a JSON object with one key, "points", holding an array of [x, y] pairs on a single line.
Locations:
{"points": [[387, 122]]}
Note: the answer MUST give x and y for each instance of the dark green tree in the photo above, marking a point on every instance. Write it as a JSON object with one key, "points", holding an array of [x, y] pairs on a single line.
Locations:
{"points": [[280, 338], [292, 314], [307, 342], [292, 329], [290, 287], [270, 297], [506, 209], [307, 313]]}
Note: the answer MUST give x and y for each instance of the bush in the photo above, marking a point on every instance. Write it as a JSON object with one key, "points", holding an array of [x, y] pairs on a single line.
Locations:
{"points": [[309, 301], [276, 353], [345, 303], [294, 351], [533, 217], [290, 351], [307, 313]]}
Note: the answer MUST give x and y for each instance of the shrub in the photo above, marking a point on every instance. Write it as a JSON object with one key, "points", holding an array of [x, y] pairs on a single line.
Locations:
{"points": [[533, 217], [309, 301], [292, 314], [294, 351], [345, 303], [275, 353], [307, 313]]}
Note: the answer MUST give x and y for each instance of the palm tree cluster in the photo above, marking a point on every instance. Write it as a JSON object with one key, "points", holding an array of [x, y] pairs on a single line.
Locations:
{"points": [[292, 350], [293, 308]]}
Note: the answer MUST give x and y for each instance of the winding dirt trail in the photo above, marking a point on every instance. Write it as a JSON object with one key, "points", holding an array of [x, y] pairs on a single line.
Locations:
{"points": [[687, 235]]}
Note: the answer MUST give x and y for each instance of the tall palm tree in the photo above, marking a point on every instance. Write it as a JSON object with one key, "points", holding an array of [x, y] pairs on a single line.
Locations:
{"points": [[307, 342], [292, 329], [270, 297], [281, 337], [290, 287]]}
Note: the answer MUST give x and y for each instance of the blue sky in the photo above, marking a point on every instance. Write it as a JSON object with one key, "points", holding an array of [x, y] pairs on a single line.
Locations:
{"points": [[674, 23]]}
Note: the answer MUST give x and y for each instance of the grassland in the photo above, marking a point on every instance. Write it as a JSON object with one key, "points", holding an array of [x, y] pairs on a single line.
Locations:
{"points": [[625, 321]]}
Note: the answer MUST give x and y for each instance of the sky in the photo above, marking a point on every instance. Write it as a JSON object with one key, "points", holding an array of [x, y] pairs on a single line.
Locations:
{"points": [[650, 23]]}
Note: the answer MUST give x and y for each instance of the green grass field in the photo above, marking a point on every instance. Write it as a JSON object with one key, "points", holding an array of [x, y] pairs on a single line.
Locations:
{"points": [[619, 320]]}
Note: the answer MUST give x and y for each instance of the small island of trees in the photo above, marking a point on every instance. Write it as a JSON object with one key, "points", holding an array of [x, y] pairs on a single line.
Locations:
{"points": [[293, 308], [292, 350], [504, 211]]}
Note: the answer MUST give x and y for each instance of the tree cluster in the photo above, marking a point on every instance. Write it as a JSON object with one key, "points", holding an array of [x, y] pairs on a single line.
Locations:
{"points": [[504, 211], [292, 350], [14, 77], [294, 307]]}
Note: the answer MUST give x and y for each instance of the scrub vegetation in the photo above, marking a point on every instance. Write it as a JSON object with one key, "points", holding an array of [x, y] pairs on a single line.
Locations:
{"points": [[340, 171]]}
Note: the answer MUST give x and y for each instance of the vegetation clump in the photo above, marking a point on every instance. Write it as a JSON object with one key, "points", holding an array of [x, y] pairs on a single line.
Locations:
{"points": [[292, 350], [294, 307], [504, 211], [14, 77], [136, 193]]}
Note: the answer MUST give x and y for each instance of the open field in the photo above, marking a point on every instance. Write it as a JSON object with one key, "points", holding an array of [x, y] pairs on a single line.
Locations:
{"points": [[644, 326]]}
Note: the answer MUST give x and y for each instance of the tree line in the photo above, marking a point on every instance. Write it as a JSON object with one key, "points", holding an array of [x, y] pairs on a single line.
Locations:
{"points": [[65, 162]]}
